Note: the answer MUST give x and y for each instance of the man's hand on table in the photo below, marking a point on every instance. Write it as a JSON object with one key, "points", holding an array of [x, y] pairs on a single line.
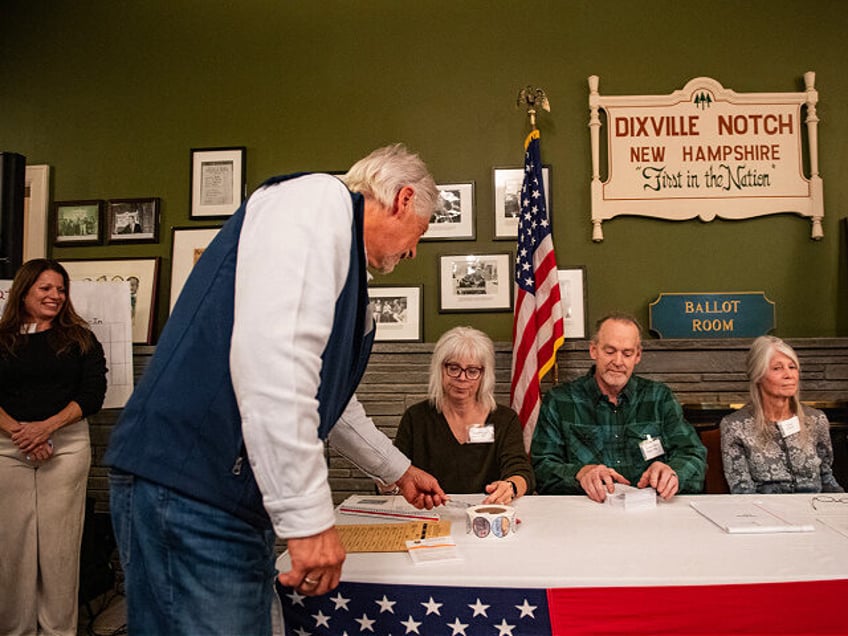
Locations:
{"points": [[597, 480], [316, 563], [662, 478], [421, 489]]}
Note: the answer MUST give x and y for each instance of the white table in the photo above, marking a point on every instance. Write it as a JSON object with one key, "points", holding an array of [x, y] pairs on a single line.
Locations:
{"points": [[582, 549]]}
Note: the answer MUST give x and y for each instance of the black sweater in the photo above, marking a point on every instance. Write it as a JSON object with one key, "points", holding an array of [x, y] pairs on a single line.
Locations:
{"points": [[36, 383]]}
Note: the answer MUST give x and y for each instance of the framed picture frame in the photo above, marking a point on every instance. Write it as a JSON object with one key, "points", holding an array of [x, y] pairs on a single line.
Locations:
{"points": [[455, 221], [77, 223], [187, 246], [572, 287], [36, 211], [143, 276], [507, 184], [217, 181], [132, 220], [475, 282], [397, 312]]}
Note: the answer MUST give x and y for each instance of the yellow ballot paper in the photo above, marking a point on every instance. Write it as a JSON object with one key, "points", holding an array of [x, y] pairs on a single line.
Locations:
{"points": [[389, 537]]}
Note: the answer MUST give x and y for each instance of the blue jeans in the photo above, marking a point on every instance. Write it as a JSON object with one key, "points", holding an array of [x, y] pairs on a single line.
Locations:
{"points": [[190, 568]]}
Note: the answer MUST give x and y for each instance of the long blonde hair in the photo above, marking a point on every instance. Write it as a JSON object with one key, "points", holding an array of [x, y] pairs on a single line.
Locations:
{"points": [[759, 358]]}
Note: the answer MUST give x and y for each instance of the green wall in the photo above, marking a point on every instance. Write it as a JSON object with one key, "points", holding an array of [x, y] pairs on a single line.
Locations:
{"points": [[113, 94]]}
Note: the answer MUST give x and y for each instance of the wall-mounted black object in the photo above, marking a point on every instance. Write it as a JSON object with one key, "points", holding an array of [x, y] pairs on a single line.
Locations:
{"points": [[12, 187]]}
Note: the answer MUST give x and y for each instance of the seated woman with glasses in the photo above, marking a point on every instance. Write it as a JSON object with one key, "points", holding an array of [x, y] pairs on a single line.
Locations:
{"points": [[774, 444], [460, 435]]}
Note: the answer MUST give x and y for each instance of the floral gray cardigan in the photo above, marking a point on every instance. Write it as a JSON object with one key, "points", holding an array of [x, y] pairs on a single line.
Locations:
{"points": [[778, 465]]}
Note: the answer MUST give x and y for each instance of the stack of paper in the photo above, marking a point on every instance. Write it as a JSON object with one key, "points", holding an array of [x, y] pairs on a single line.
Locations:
{"points": [[632, 499], [747, 517], [385, 507]]}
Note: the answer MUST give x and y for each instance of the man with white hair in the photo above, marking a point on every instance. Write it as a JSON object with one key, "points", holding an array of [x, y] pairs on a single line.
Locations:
{"points": [[220, 448]]}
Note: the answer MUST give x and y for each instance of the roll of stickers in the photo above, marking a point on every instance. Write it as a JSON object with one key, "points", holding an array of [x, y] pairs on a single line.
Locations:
{"points": [[490, 521]]}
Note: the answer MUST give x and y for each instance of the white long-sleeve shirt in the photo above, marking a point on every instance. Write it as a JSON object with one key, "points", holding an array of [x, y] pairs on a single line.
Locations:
{"points": [[293, 259]]}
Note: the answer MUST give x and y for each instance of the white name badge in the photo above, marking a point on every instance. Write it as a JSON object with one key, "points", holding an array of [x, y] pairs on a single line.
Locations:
{"points": [[651, 447], [790, 426], [481, 434]]}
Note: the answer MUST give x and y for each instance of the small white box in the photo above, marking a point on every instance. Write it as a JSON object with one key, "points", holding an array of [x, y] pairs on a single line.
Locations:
{"points": [[632, 499]]}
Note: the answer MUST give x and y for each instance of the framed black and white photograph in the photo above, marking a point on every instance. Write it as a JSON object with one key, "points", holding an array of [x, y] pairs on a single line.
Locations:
{"points": [[77, 223], [507, 183], [475, 282], [572, 288], [142, 275], [187, 247], [133, 220], [397, 312], [217, 181], [455, 219]]}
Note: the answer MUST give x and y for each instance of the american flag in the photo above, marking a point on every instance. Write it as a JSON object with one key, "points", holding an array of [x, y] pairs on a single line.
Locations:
{"points": [[393, 610], [537, 330], [369, 608]]}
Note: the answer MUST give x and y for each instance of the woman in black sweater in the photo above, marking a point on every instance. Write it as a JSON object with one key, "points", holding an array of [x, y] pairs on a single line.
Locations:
{"points": [[52, 376]]}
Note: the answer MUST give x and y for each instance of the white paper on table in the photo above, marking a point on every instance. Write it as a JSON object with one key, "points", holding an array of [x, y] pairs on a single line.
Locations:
{"points": [[840, 524], [433, 550], [747, 517]]}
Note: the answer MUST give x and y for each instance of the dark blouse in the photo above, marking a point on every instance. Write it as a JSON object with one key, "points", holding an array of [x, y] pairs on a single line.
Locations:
{"points": [[424, 436], [36, 383]]}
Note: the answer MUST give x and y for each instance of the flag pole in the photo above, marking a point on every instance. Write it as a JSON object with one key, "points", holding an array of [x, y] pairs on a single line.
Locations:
{"points": [[531, 98], [537, 330]]}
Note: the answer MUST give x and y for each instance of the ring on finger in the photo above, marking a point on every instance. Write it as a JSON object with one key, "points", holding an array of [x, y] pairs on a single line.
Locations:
{"points": [[308, 581]]}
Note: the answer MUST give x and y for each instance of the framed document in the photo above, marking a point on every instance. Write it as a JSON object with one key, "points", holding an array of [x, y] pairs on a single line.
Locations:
{"points": [[217, 181]]}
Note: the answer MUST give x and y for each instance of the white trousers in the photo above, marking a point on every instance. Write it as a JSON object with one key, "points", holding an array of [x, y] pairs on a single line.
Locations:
{"points": [[42, 506]]}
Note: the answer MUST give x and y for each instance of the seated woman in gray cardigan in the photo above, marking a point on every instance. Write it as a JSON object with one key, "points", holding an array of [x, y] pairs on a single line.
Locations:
{"points": [[460, 435], [775, 444]]}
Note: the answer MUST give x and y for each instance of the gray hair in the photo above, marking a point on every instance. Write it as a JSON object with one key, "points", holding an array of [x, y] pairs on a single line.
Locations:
{"points": [[617, 316], [759, 357], [464, 342], [385, 171]]}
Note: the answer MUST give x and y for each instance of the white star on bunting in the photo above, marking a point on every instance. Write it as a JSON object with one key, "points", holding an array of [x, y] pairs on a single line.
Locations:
{"points": [[411, 626], [386, 605], [479, 608], [526, 609]]}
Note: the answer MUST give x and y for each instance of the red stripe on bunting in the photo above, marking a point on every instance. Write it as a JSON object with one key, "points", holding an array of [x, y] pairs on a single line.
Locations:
{"points": [[807, 607]]}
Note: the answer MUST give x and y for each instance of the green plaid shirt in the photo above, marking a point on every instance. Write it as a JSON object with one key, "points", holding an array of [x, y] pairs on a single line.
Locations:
{"points": [[578, 425]]}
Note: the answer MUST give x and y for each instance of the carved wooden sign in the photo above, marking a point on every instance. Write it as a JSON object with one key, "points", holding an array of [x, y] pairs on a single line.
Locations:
{"points": [[705, 151]]}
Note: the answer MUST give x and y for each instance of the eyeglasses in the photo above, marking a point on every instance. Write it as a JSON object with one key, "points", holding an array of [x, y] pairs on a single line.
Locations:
{"points": [[454, 371], [827, 499]]}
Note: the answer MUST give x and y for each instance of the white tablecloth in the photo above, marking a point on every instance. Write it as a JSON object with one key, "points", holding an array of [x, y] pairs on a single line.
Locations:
{"points": [[574, 542]]}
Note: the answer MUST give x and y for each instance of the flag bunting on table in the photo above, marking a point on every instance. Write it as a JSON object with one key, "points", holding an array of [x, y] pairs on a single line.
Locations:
{"points": [[380, 609], [537, 330], [369, 608]]}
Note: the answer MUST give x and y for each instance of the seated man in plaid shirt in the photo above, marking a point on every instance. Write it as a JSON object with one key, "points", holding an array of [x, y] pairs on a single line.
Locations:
{"points": [[611, 426]]}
